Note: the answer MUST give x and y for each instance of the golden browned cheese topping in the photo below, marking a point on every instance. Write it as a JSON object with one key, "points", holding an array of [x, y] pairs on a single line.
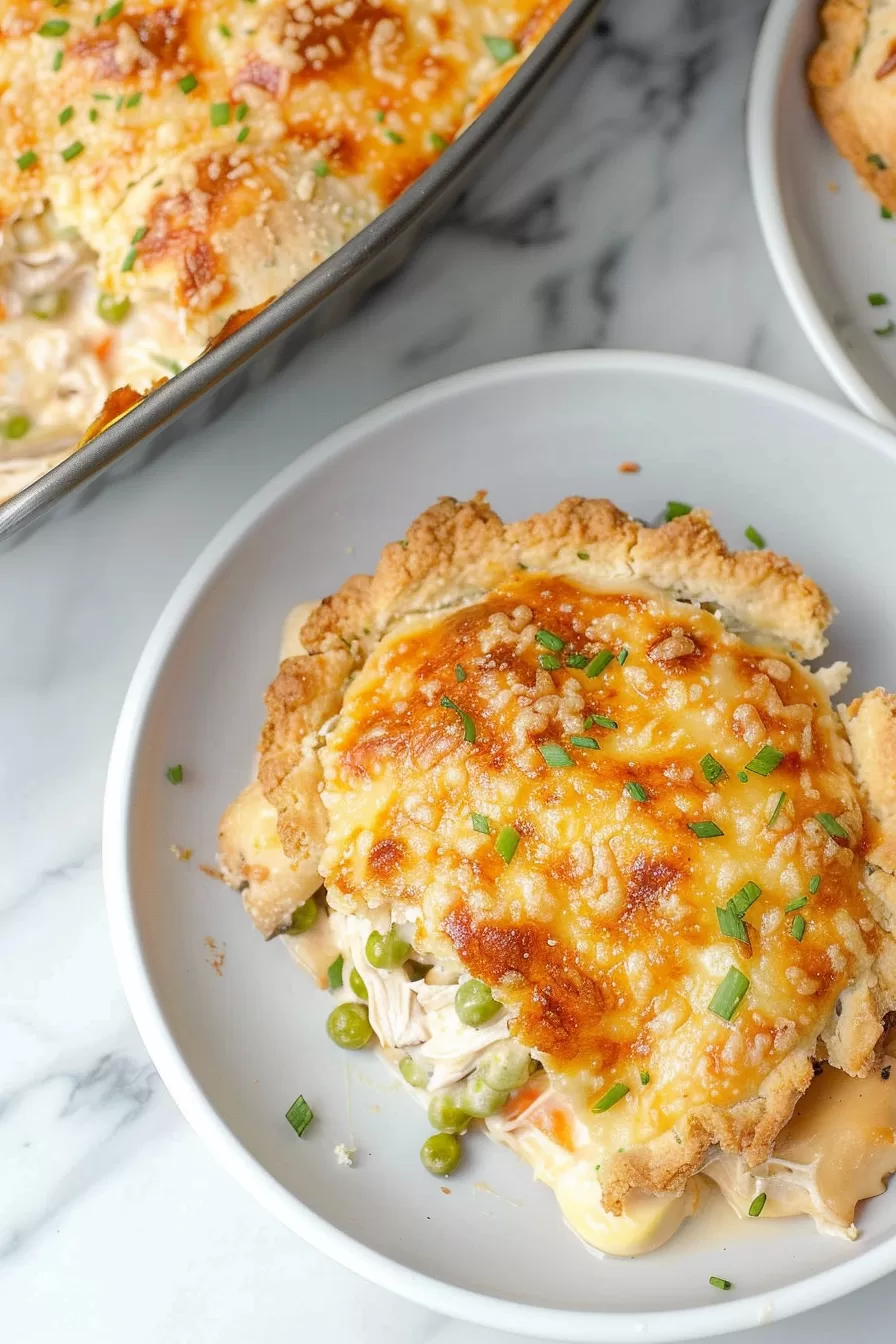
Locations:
{"points": [[649, 766]]}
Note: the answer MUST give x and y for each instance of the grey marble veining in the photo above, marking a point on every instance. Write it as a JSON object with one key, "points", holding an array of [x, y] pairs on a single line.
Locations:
{"points": [[621, 217]]}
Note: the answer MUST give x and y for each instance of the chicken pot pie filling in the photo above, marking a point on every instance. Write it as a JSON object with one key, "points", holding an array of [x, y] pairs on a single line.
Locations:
{"points": [[600, 867]]}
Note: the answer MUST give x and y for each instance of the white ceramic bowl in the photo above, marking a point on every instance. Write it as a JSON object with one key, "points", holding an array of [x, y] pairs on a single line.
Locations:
{"points": [[235, 1049], [824, 232]]}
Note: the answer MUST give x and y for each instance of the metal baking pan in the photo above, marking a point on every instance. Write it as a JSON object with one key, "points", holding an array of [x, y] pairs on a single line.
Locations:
{"points": [[259, 349]]}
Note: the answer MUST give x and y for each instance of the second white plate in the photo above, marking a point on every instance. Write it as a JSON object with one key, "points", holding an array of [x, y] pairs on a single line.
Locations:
{"points": [[824, 232]]}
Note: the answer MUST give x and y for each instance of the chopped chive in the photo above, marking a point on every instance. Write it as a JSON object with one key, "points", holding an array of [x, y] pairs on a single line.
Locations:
{"points": [[711, 768], [139, 235], [58, 58], [379, 115], [885, 213], [506, 842], [72, 151], [93, 114], [480, 823], [437, 141], [66, 114], [187, 84], [16, 427], [878, 300], [583, 555], [742, 776], [501, 49], [796, 904], [742, 900], [886, 330], [129, 259], [102, 97], [730, 994], [175, 774], [300, 1115], [814, 884], [334, 973], [112, 12], [757, 538], [832, 825], [777, 809], [645, 1077], [219, 114], [119, 104], [676, 509], [610, 1098], [716, 1282], [26, 160], [241, 111], [54, 28], [621, 656], [242, 135], [757, 1206], [549, 661], [555, 755], [549, 641], [634, 790], [767, 759], [591, 743], [394, 138], [576, 660], [224, 30], [133, 99], [459, 673], [876, 160], [598, 663], [601, 721], [798, 927], [705, 829], [731, 924], [469, 725], [321, 169]]}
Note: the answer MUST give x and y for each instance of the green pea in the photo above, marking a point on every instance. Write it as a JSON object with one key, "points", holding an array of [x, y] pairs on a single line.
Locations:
{"points": [[440, 1154], [303, 917], [112, 309], [357, 985], [445, 1111], [16, 427], [504, 1066], [474, 1003], [413, 1072], [386, 951], [349, 1026], [481, 1100], [50, 305]]}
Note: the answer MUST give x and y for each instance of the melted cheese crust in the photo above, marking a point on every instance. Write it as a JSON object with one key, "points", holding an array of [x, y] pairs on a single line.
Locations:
{"points": [[601, 934]]}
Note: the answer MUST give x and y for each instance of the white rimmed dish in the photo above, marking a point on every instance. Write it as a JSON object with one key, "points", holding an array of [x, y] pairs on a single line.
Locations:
{"points": [[234, 1049], [827, 241]]}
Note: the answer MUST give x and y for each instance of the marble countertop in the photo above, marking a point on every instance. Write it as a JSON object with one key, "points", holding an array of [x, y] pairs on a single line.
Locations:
{"points": [[621, 218]]}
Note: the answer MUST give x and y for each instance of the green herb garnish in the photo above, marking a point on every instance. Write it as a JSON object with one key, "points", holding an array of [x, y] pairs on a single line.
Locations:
{"points": [[334, 973], [796, 904], [300, 1115], [601, 721], [757, 1206], [767, 759], [645, 1077], [576, 660], [832, 825], [506, 843], [583, 555], [757, 538], [549, 661], [814, 884], [743, 899], [610, 1098], [731, 924], [480, 823], [394, 138], [66, 114], [621, 656], [187, 84], [175, 774], [72, 151], [242, 135], [705, 829], [730, 994], [798, 927], [459, 673], [591, 743], [241, 111], [876, 160], [555, 755], [711, 768], [26, 160], [469, 725], [549, 641], [219, 114], [886, 330], [634, 790], [777, 809], [321, 169], [54, 28], [878, 300], [716, 1282], [676, 509], [502, 49], [437, 141], [598, 663]]}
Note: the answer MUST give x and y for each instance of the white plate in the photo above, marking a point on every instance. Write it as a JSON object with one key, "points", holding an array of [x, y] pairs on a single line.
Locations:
{"points": [[235, 1049], [827, 241]]}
